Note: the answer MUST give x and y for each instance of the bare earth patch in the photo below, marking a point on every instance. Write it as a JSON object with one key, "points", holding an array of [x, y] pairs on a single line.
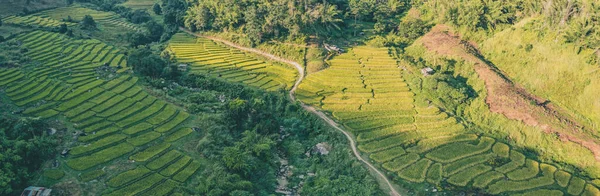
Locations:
{"points": [[507, 98]]}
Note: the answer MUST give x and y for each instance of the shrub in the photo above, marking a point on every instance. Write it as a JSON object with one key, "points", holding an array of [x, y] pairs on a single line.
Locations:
{"points": [[88, 22]]}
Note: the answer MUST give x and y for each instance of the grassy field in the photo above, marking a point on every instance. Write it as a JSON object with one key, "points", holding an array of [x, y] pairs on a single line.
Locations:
{"points": [[67, 86], [563, 74], [208, 57]]}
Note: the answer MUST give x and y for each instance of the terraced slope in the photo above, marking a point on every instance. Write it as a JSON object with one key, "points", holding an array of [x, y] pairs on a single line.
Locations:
{"points": [[67, 58], [207, 57], [365, 91], [117, 118], [35, 21], [77, 13]]}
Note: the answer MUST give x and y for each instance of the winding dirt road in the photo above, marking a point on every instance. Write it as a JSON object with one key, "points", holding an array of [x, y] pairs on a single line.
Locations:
{"points": [[309, 108]]}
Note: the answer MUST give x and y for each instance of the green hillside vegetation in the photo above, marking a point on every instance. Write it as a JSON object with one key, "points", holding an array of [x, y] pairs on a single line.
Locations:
{"points": [[121, 125], [150, 100]]}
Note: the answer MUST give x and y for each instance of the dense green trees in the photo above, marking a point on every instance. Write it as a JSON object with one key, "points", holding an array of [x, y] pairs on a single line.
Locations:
{"points": [[88, 22], [157, 9], [24, 146], [263, 20]]}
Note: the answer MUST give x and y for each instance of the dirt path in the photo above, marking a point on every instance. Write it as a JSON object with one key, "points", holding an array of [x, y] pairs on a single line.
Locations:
{"points": [[311, 109]]}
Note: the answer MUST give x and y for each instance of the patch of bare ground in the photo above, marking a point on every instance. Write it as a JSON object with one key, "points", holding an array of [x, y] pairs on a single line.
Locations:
{"points": [[508, 98]]}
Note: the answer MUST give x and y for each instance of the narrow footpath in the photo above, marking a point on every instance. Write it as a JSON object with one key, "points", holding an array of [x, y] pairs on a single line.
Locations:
{"points": [[309, 108]]}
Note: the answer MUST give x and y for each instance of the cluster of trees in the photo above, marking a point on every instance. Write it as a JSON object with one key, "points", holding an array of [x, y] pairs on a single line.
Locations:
{"points": [[264, 19], [252, 129], [24, 146], [147, 62], [577, 21], [12, 54], [153, 31], [444, 87]]}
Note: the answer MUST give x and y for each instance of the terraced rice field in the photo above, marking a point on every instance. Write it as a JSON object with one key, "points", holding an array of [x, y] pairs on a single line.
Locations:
{"points": [[78, 12], [207, 57], [35, 21], [364, 90], [118, 119], [140, 4]]}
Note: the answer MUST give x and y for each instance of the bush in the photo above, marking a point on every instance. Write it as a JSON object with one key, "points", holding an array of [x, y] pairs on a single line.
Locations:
{"points": [[88, 22], [157, 9]]}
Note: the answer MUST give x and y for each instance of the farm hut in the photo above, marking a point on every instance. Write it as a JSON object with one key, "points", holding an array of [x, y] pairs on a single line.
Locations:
{"points": [[427, 71], [36, 191]]}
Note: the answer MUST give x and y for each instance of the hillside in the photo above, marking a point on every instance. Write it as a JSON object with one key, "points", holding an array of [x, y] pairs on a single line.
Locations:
{"points": [[201, 97]]}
